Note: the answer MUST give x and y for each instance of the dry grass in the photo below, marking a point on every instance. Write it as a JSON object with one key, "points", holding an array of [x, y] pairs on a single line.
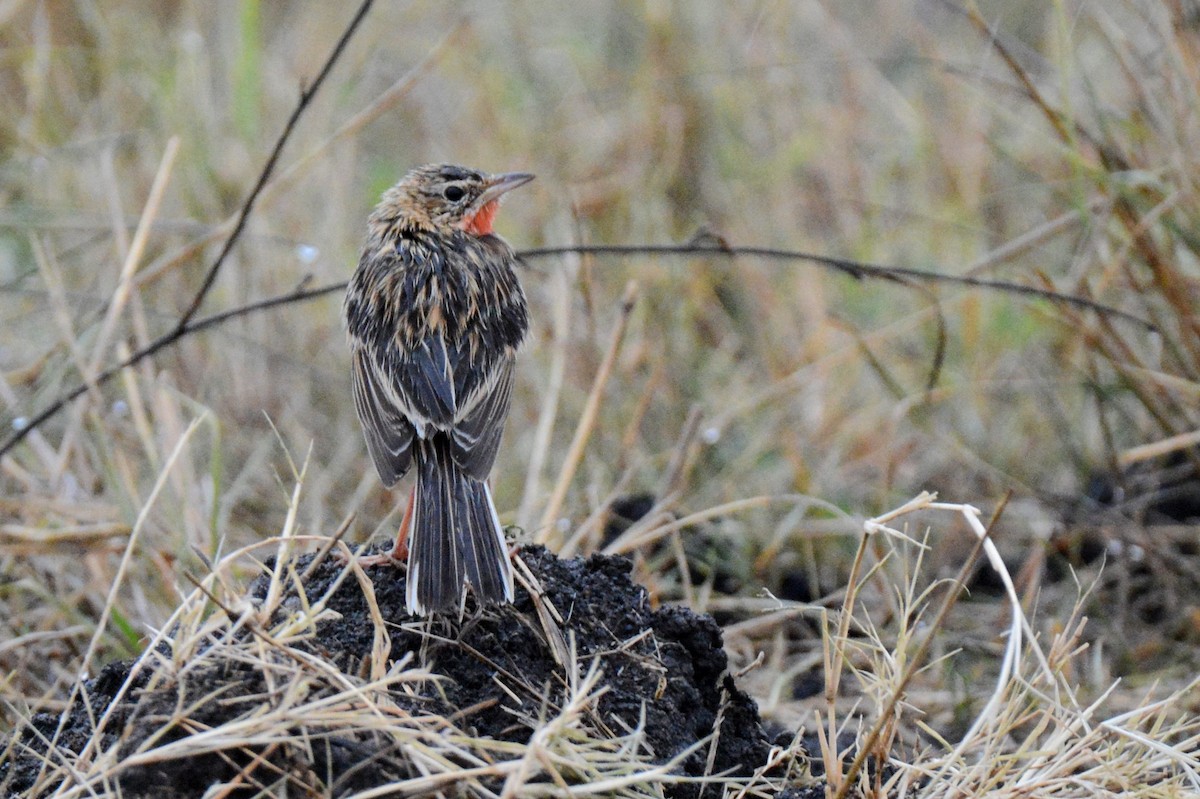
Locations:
{"points": [[753, 399], [308, 703]]}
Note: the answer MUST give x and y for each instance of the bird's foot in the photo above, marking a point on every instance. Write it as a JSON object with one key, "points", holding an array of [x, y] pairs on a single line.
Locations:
{"points": [[397, 557], [381, 559]]}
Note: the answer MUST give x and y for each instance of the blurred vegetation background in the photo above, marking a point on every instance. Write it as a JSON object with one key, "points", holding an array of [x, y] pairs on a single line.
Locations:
{"points": [[892, 132]]}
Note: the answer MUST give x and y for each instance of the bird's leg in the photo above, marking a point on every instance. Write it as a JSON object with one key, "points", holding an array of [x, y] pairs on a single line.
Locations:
{"points": [[399, 553]]}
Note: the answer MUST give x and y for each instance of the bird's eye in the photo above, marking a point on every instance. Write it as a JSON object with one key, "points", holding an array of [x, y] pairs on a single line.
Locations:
{"points": [[453, 193]]}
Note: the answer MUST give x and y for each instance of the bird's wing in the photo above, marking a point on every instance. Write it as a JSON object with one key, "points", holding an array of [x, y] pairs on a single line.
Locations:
{"points": [[423, 379], [476, 433], [385, 426]]}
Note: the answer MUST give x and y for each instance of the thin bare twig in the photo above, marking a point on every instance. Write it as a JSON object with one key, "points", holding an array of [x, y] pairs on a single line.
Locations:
{"points": [[306, 96], [855, 269]]}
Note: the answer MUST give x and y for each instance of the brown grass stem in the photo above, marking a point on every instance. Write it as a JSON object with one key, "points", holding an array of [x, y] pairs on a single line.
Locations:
{"points": [[548, 413], [587, 421], [131, 547], [137, 247]]}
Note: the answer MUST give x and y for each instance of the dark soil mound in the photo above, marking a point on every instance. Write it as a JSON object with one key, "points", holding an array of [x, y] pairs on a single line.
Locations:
{"points": [[661, 671]]}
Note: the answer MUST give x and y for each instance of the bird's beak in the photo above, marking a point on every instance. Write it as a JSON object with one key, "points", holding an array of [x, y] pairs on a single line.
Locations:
{"points": [[498, 185]]}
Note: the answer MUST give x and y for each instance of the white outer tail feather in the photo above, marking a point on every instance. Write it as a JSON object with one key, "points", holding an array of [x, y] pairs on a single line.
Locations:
{"points": [[506, 569]]}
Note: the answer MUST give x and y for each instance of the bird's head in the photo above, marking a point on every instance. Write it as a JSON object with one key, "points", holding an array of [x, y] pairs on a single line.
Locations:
{"points": [[448, 196]]}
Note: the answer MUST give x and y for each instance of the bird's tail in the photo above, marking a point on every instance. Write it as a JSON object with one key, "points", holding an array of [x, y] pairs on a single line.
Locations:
{"points": [[455, 534]]}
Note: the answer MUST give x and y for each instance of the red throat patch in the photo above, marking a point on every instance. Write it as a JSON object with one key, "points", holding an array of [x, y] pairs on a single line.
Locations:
{"points": [[481, 223]]}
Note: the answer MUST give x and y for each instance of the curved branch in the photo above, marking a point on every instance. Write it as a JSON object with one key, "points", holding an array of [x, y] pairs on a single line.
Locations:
{"points": [[858, 270], [855, 269]]}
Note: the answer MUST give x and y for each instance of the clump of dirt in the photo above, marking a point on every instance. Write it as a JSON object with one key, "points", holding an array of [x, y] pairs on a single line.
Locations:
{"points": [[496, 675]]}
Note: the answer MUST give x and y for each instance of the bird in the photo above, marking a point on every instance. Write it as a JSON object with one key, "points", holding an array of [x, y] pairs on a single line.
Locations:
{"points": [[435, 315]]}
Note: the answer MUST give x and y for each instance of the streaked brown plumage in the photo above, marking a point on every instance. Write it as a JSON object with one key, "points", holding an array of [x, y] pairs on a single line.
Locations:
{"points": [[435, 315]]}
